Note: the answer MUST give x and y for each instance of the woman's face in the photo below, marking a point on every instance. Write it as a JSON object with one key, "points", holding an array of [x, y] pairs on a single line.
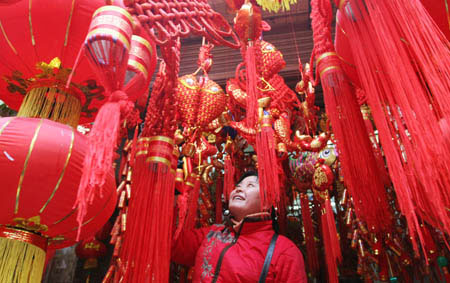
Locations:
{"points": [[245, 198]]}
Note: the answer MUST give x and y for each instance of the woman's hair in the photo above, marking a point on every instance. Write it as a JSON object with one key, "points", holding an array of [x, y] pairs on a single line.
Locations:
{"points": [[272, 211], [247, 174]]}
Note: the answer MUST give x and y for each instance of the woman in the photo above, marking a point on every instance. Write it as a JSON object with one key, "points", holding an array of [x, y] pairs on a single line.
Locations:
{"points": [[248, 251]]}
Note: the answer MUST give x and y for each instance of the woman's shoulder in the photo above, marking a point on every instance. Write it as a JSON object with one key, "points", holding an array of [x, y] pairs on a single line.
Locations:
{"points": [[285, 245]]}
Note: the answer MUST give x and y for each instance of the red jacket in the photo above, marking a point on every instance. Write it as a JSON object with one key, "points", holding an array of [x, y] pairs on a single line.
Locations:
{"points": [[243, 260]]}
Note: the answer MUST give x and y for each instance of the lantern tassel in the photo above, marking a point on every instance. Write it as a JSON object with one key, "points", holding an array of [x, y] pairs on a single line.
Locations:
{"points": [[51, 103], [21, 260]]}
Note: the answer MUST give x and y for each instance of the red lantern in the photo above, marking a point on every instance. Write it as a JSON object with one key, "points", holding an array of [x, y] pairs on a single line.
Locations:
{"points": [[36, 32], [40, 165], [90, 250]]}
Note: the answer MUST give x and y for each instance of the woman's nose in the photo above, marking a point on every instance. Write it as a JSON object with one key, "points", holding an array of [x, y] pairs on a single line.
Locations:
{"points": [[239, 189]]}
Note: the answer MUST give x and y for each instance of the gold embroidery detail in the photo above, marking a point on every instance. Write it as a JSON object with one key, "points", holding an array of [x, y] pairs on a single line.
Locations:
{"points": [[31, 224]]}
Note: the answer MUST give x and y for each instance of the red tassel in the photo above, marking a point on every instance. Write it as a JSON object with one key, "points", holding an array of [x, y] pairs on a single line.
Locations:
{"points": [[134, 146], [98, 161], [219, 192], [411, 55], [182, 204], [191, 217], [252, 90], [311, 251], [330, 241], [229, 177], [267, 164], [358, 162], [146, 248]]}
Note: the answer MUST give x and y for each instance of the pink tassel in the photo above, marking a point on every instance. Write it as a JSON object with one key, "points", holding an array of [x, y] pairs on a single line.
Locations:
{"points": [[98, 161]]}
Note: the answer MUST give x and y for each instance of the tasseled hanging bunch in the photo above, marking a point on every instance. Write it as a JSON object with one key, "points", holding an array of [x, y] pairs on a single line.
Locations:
{"points": [[358, 162], [267, 163], [146, 246], [249, 28], [122, 61], [406, 76], [107, 47]]}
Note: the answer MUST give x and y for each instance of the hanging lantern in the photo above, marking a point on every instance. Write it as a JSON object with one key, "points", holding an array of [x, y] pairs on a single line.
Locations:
{"points": [[40, 40], [90, 250], [40, 169], [108, 44], [140, 67]]}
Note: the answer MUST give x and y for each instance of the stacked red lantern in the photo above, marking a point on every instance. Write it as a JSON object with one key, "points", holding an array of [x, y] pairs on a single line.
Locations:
{"points": [[37, 32], [40, 165], [90, 250]]}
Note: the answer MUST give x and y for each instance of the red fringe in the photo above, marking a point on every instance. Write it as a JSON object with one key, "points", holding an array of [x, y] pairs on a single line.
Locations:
{"points": [[267, 167], [99, 158], [193, 205], [182, 204], [146, 248], [219, 192], [229, 177], [252, 90], [330, 241], [383, 174], [311, 251], [359, 165], [412, 55]]}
